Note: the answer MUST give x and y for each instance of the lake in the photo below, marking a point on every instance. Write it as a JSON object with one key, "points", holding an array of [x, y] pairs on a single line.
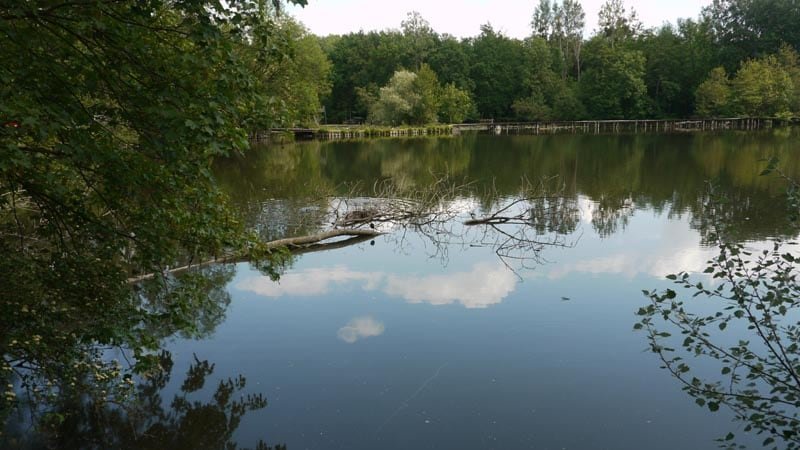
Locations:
{"points": [[405, 344], [442, 335]]}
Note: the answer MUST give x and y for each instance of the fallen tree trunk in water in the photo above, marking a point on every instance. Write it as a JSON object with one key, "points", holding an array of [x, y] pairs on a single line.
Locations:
{"points": [[304, 241], [295, 245]]}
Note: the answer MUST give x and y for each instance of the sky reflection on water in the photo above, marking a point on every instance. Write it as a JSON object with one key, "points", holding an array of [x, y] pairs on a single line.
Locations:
{"points": [[409, 344], [373, 348]]}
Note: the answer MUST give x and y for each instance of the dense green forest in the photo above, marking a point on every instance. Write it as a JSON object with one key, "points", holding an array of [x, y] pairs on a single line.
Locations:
{"points": [[737, 58]]}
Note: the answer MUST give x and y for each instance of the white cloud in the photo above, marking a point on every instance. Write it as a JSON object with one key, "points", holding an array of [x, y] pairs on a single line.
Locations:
{"points": [[360, 328]]}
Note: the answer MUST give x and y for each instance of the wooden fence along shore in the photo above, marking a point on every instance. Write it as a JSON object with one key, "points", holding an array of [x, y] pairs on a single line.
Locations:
{"points": [[561, 127]]}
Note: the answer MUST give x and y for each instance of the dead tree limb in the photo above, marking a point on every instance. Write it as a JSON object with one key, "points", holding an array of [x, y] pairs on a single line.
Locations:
{"points": [[295, 245], [304, 241]]}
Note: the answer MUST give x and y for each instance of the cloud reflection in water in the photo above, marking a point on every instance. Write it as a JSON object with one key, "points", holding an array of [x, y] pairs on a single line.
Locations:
{"points": [[310, 282], [485, 285], [360, 328], [482, 287]]}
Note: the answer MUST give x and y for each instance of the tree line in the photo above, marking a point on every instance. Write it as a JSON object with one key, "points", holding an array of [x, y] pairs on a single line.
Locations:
{"points": [[737, 58]]}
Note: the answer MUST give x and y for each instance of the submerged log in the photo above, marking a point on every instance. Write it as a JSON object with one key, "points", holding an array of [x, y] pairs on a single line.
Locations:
{"points": [[296, 245], [305, 241]]}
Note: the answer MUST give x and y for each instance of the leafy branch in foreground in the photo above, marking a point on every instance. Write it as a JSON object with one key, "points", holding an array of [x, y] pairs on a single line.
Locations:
{"points": [[760, 379], [111, 113], [740, 347]]}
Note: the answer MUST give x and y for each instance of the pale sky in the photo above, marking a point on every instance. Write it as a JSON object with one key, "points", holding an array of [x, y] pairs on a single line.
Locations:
{"points": [[462, 18]]}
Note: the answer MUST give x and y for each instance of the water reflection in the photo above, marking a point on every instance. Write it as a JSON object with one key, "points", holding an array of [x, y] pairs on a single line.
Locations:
{"points": [[642, 205], [312, 282], [360, 328], [69, 368], [639, 203], [485, 285], [737, 346], [666, 249], [618, 174], [197, 417]]}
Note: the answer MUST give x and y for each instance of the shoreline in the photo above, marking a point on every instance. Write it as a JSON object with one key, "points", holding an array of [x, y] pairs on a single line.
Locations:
{"points": [[345, 132]]}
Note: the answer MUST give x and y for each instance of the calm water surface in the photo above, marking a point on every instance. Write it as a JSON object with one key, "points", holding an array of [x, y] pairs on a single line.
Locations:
{"points": [[397, 345], [433, 340]]}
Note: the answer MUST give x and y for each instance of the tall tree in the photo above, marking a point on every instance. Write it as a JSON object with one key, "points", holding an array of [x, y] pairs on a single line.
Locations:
{"points": [[763, 88], [616, 23], [714, 95], [751, 28], [790, 61], [420, 38], [427, 87], [547, 95], [455, 104], [613, 86], [451, 61], [574, 22], [361, 60], [498, 71], [542, 22], [302, 79], [562, 25], [678, 60]]}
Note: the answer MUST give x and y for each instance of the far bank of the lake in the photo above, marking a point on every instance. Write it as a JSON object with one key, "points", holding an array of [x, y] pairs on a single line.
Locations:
{"points": [[360, 131]]}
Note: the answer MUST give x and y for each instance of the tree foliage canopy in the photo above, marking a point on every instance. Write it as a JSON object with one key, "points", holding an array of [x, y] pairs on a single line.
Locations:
{"points": [[417, 98], [763, 87], [111, 113], [504, 76]]}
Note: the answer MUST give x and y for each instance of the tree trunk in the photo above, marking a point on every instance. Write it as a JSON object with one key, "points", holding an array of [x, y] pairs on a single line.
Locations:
{"points": [[296, 245]]}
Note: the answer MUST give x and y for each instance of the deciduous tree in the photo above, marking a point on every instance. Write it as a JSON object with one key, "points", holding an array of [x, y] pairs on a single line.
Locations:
{"points": [[456, 104], [714, 95], [616, 23], [613, 86]]}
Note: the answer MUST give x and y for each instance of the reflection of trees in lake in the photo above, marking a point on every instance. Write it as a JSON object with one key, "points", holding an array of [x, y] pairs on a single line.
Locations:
{"points": [[55, 348], [618, 174], [611, 214], [660, 172], [752, 293], [442, 215], [192, 420], [193, 304]]}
